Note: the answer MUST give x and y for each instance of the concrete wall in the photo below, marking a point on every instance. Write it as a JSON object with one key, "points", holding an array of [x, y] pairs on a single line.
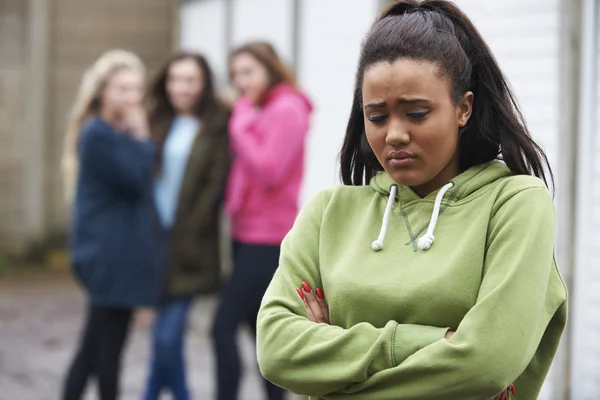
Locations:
{"points": [[81, 31], [14, 47], [45, 46]]}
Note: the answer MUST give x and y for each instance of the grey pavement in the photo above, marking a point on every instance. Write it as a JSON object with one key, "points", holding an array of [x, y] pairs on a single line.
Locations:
{"points": [[40, 321]]}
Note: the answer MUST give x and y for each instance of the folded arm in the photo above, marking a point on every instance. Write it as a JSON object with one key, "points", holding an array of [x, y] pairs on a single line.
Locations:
{"points": [[496, 341], [316, 359]]}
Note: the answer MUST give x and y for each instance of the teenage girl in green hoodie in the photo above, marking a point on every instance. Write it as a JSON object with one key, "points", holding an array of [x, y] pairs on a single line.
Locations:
{"points": [[433, 269]]}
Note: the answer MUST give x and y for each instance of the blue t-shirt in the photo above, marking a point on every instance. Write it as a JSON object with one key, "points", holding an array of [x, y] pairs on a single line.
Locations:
{"points": [[174, 161]]}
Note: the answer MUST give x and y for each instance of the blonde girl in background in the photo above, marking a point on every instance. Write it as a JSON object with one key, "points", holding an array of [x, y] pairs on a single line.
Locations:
{"points": [[107, 167]]}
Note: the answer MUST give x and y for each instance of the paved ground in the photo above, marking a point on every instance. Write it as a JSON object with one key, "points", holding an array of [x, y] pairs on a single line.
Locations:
{"points": [[40, 320]]}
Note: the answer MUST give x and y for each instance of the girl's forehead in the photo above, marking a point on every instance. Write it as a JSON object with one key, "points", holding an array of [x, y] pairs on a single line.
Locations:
{"points": [[404, 78]]}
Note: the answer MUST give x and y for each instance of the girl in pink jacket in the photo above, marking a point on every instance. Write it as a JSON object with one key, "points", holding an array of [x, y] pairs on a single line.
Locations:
{"points": [[268, 129]]}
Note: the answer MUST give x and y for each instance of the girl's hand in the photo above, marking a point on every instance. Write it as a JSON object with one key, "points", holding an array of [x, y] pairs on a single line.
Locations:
{"points": [[136, 121], [315, 304], [505, 395]]}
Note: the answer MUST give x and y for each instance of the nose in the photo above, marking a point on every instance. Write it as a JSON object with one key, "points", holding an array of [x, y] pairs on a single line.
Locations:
{"points": [[397, 133]]}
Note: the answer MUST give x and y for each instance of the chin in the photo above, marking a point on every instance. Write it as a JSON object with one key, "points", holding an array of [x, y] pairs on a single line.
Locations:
{"points": [[181, 107], [406, 177]]}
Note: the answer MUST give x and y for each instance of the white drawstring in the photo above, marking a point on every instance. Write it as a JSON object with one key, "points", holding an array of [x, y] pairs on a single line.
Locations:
{"points": [[426, 240], [378, 244]]}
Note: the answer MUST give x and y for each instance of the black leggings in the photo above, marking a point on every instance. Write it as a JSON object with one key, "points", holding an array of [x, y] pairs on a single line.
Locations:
{"points": [[99, 353], [254, 266]]}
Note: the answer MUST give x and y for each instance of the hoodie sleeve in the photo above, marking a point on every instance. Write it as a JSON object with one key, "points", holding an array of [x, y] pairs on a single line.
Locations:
{"points": [[269, 154], [119, 161], [520, 295], [315, 359]]}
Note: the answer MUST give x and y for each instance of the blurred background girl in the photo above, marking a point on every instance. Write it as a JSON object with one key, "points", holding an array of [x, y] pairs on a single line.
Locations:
{"points": [[107, 168], [268, 129], [189, 126]]}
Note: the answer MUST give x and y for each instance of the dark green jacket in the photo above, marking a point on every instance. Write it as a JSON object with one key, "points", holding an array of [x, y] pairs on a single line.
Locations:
{"points": [[194, 264]]}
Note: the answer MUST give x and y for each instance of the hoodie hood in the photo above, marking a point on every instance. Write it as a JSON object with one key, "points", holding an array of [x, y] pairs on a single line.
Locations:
{"points": [[287, 91], [463, 186], [457, 189]]}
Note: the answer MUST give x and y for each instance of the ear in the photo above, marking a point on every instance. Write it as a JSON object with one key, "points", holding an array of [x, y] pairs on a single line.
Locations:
{"points": [[464, 108]]}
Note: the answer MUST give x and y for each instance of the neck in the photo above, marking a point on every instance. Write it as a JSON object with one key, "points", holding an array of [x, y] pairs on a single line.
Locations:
{"points": [[448, 173]]}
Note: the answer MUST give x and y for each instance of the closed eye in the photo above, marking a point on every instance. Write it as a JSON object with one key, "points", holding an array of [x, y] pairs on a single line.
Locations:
{"points": [[418, 115], [377, 119]]}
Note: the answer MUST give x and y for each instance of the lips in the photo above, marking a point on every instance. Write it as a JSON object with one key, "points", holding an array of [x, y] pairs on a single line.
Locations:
{"points": [[401, 158], [400, 155]]}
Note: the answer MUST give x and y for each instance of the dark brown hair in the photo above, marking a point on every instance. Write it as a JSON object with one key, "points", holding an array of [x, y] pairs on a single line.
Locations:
{"points": [[161, 111], [438, 31], [265, 53]]}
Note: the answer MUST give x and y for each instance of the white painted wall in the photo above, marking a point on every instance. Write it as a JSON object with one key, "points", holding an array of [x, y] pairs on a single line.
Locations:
{"points": [[524, 35], [202, 30], [329, 48], [585, 318], [269, 20]]}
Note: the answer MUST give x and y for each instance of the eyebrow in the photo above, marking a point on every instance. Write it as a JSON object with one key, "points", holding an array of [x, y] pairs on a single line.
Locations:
{"points": [[399, 102]]}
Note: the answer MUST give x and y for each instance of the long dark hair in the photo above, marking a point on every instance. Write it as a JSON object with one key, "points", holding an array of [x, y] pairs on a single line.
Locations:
{"points": [[161, 111], [438, 31], [265, 53]]}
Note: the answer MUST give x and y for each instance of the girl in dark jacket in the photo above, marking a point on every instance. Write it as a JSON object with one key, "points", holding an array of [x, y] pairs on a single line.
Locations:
{"points": [[108, 167], [189, 126]]}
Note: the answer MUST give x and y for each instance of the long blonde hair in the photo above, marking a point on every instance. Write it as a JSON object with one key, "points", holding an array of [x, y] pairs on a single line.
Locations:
{"points": [[86, 105]]}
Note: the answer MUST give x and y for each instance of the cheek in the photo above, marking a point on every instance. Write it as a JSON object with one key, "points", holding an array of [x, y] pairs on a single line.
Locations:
{"points": [[438, 139], [112, 98], [177, 89], [261, 80], [240, 81], [171, 90], [138, 96], [376, 138], [196, 90]]}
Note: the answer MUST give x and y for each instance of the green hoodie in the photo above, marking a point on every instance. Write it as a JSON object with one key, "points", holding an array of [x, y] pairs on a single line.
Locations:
{"points": [[490, 275]]}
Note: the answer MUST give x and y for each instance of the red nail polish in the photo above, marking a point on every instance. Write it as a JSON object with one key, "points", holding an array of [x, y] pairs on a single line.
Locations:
{"points": [[320, 294], [300, 293], [306, 287], [513, 389]]}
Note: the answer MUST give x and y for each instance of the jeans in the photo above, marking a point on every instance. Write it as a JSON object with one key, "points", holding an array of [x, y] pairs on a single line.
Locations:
{"points": [[167, 369]]}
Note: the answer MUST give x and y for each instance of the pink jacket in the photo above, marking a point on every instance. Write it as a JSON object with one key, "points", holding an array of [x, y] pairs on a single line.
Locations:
{"points": [[268, 146]]}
